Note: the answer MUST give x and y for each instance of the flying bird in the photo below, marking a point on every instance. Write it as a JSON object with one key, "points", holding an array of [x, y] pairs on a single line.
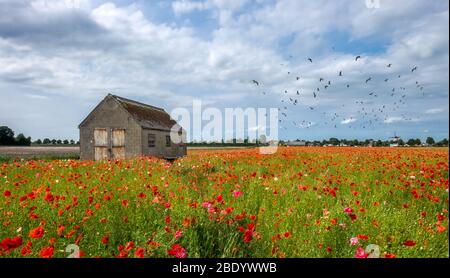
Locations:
{"points": [[414, 69], [256, 82], [357, 57], [340, 73], [368, 79], [389, 65], [310, 60]]}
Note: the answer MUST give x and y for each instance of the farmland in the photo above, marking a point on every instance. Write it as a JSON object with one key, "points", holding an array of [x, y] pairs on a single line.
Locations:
{"points": [[298, 202]]}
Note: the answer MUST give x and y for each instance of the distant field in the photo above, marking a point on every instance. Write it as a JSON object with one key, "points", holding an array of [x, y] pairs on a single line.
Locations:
{"points": [[47, 152], [65, 151]]}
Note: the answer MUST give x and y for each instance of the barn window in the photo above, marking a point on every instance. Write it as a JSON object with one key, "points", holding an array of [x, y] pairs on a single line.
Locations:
{"points": [[151, 140], [167, 140]]}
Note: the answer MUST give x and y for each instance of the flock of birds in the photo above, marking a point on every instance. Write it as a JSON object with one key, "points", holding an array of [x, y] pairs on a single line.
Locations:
{"points": [[368, 112]]}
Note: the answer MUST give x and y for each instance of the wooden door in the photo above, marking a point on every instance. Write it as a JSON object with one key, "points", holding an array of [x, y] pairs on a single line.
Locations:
{"points": [[118, 143], [100, 143]]}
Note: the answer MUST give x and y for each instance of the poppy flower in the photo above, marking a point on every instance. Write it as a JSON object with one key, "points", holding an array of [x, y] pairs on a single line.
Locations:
{"points": [[409, 243], [7, 193], [140, 252], [37, 232], [177, 251], [389, 256], [178, 234], [361, 253], [47, 252], [236, 193], [105, 239], [9, 244], [354, 241]]}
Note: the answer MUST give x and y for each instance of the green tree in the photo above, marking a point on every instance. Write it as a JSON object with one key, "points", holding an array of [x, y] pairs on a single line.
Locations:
{"points": [[430, 141], [38, 142], [72, 142], [6, 136], [54, 141], [59, 142], [411, 142], [46, 141], [66, 142], [21, 140], [334, 141]]}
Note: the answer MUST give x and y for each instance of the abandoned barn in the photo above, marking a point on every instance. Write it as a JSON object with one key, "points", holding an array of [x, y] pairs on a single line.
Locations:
{"points": [[122, 128]]}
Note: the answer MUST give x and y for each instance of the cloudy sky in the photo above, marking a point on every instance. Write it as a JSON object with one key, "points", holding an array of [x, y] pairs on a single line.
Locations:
{"points": [[58, 59]]}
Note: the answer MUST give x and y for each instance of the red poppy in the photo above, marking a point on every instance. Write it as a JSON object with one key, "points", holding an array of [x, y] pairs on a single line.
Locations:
{"points": [[26, 250], [37, 232], [7, 193], [409, 243], [177, 251], [9, 244], [363, 237], [389, 256], [47, 252], [140, 252], [105, 239], [287, 234]]}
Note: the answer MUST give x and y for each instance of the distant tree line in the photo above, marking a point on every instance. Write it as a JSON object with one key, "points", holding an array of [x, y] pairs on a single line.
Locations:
{"points": [[7, 139], [375, 143], [48, 141]]}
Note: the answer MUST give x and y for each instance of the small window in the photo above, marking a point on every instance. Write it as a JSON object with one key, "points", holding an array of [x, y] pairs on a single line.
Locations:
{"points": [[151, 140], [168, 141]]}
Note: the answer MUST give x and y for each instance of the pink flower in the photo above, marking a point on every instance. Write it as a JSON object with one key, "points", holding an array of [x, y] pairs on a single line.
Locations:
{"points": [[361, 254], [178, 234], [354, 241], [348, 210], [177, 251], [206, 205], [38, 175], [237, 193]]}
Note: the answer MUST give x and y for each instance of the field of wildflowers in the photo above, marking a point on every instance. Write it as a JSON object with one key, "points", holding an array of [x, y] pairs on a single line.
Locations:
{"points": [[299, 202]]}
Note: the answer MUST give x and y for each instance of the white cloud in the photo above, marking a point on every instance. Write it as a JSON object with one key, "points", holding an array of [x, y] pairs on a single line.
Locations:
{"points": [[348, 121], [434, 111]]}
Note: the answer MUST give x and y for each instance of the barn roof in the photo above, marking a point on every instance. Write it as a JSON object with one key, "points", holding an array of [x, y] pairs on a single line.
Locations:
{"points": [[147, 116]]}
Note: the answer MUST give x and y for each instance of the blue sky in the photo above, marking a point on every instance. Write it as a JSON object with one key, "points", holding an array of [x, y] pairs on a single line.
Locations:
{"points": [[58, 59]]}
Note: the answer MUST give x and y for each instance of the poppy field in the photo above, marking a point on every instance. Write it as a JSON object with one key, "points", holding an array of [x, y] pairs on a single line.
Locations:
{"points": [[298, 202]]}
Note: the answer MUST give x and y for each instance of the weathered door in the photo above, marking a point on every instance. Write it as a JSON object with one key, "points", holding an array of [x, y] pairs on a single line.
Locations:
{"points": [[118, 143], [100, 143]]}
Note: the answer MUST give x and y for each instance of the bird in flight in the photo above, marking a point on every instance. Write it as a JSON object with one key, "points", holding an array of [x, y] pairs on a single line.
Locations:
{"points": [[298, 77], [310, 60], [256, 82], [389, 65], [414, 69], [357, 57], [368, 79], [321, 79], [314, 94], [386, 80], [340, 73]]}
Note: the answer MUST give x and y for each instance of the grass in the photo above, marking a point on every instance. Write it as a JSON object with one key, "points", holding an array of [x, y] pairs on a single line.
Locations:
{"points": [[232, 203]]}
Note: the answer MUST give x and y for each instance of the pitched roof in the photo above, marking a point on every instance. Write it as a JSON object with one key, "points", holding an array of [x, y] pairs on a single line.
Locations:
{"points": [[146, 115]]}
